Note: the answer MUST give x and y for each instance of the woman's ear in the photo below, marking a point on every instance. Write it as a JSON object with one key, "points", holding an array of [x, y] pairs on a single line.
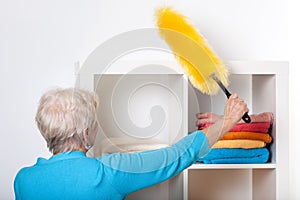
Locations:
{"points": [[86, 139], [85, 135]]}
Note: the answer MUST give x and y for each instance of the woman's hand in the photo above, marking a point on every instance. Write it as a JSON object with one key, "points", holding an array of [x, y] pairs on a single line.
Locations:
{"points": [[208, 117], [235, 109], [233, 112]]}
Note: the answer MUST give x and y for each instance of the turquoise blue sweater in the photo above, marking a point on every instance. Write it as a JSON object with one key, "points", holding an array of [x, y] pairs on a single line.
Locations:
{"points": [[72, 175]]}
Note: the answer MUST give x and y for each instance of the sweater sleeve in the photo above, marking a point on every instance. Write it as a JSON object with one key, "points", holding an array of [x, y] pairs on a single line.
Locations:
{"points": [[133, 171]]}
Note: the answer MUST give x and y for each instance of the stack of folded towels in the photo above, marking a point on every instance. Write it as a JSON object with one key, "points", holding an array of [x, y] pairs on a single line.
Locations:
{"points": [[244, 143]]}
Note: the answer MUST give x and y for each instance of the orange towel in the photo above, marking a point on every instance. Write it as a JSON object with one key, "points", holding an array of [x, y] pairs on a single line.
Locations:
{"points": [[260, 127], [245, 144], [265, 137]]}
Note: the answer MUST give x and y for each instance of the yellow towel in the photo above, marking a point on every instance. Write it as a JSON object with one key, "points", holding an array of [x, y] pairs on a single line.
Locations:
{"points": [[265, 137], [245, 144]]}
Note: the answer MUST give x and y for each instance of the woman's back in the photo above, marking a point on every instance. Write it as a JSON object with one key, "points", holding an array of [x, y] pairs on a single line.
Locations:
{"points": [[69, 175]]}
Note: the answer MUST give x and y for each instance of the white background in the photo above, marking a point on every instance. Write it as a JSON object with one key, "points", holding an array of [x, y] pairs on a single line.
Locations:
{"points": [[41, 40]]}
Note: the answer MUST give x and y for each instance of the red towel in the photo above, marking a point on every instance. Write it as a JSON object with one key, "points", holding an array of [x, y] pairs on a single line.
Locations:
{"points": [[260, 127]]}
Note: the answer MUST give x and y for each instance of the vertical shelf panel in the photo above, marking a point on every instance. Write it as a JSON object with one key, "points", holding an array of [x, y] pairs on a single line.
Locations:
{"points": [[282, 132]]}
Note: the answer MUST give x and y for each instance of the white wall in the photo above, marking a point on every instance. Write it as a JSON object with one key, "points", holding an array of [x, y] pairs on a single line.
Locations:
{"points": [[41, 40], [293, 49]]}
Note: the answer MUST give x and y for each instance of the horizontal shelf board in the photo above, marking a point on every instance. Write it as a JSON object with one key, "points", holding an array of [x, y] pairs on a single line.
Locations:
{"points": [[233, 166]]}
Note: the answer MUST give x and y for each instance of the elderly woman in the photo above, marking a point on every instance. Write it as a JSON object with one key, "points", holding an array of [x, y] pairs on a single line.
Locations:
{"points": [[67, 120]]}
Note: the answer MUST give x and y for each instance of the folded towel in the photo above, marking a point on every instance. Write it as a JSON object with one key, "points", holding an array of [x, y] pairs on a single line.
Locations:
{"points": [[261, 117], [260, 127], [236, 156], [247, 135], [245, 144]]}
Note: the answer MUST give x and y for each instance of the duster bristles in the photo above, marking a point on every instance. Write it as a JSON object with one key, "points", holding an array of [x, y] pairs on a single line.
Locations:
{"points": [[191, 50]]}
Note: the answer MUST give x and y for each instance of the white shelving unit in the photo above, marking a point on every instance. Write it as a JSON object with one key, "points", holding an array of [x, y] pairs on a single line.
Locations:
{"points": [[157, 100]]}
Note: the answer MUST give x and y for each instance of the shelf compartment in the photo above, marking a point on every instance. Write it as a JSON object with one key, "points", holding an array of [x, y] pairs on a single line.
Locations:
{"points": [[258, 91], [140, 108], [231, 184]]}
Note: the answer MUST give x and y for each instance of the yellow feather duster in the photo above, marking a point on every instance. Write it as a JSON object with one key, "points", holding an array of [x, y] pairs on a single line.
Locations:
{"points": [[191, 50], [204, 69]]}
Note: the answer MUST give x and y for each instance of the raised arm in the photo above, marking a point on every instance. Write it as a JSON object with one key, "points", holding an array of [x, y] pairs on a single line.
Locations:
{"points": [[131, 172]]}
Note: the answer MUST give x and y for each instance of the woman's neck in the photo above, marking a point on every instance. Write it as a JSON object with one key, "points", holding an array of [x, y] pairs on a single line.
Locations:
{"points": [[80, 149]]}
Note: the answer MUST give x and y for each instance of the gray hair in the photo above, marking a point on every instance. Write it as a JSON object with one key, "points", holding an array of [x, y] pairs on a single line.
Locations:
{"points": [[63, 115]]}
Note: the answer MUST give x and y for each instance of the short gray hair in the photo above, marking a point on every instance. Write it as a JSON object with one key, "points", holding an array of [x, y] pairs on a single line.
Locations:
{"points": [[63, 115]]}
